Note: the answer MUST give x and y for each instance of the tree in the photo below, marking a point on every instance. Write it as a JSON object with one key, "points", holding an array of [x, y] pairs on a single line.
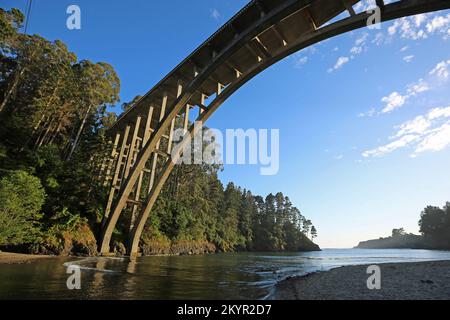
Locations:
{"points": [[128, 105], [229, 224], [100, 86], [21, 199], [307, 227], [435, 226], [54, 108], [10, 22], [313, 232], [246, 215], [398, 232]]}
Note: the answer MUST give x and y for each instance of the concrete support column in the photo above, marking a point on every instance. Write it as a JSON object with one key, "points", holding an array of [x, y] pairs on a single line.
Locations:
{"points": [[155, 155], [112, 159], [132, 148], [114, 185]]}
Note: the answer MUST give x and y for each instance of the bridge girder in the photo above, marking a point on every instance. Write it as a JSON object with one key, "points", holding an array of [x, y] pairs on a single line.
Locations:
{"points": [[133, 153]]}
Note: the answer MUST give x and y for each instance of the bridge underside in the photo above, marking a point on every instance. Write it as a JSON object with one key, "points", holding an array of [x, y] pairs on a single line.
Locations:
{"points": [[140, 158]]}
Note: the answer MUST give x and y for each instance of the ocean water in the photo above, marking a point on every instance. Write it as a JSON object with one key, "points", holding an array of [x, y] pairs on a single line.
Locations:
{"points": [[220, 276]]}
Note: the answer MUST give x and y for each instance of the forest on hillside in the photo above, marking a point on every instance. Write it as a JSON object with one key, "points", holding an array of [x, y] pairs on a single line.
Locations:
{"points": [[53, 130], [434, 226]]}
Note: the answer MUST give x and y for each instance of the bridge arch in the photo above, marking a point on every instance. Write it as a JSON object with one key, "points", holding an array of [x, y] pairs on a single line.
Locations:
{"points": [[261, 34]]}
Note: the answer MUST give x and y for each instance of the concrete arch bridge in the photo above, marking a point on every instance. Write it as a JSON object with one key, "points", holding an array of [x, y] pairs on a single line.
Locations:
{"points": [[258, 36]]}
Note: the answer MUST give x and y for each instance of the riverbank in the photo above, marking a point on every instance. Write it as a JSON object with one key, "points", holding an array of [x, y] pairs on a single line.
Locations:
{"points": [[399, 281], [17, 258]]}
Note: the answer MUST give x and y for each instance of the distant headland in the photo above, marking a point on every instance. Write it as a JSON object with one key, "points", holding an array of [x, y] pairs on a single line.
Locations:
{"points": [[434, 228]]}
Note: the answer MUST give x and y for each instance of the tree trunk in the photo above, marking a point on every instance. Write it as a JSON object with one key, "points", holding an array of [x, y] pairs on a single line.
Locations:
{"points": [[55, 134], [35, 129], [51, 132], [80, 130], [49, 128], [11, 90], [47, 123]]}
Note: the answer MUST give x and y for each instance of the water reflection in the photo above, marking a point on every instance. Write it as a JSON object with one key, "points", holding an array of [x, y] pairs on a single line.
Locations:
{"points": [[222, 276]]}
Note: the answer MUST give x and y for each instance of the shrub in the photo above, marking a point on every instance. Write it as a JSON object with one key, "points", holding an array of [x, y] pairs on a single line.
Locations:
{"points": [[68, 234], [21, 199]]}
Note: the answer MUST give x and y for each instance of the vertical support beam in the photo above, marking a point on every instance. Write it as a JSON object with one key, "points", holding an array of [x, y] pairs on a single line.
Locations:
{"points": [[186, 118], [101, 165], [232, 67], [310, 18], [148, 127], [349, 8], [137, 193], [380, 4], [219, 88], [172, 124], [132, 147], [179, 88], [112, 159], [155, 155], [137, 196], [116, 174], [170, 142], [280, 35], [202, 102]]}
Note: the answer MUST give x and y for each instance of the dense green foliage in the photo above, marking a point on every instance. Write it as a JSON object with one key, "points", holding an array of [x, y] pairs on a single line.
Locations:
{"points": [[396, 241], [21, 199], [195, 206], [434, 226], [52, 125], [53, 122]]}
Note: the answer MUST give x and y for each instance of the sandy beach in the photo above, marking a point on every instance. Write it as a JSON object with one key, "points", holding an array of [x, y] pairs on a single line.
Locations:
{"points": [[399, 281], [17, 258]]}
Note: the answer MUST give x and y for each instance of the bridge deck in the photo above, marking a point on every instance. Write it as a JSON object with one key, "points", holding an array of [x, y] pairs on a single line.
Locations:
{"points": [[312, 15], [261, 34]]}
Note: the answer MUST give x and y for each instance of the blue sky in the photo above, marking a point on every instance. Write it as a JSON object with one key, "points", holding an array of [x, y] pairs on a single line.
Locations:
{"points": [[364, 129]]}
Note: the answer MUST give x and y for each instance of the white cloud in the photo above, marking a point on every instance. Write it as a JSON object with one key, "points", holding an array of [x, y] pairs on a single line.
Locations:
{"points": [[366, 5], [215, 14], [407, 28], [390, 147], [300, 61], [438, 113], [441, 70], [438, 24], [356, 50], [339, 63], [416, 88], [394, 101], [339, 157], [419, 19], [408, 58], [416, 27], [437, 140], [362, 39], [369, 113], [429, 132], [379, 38], [421, 26], [416, 126]]}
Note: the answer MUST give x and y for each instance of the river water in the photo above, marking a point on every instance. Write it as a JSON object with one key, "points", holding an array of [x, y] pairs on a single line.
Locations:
{"points": [[221, 276]]}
